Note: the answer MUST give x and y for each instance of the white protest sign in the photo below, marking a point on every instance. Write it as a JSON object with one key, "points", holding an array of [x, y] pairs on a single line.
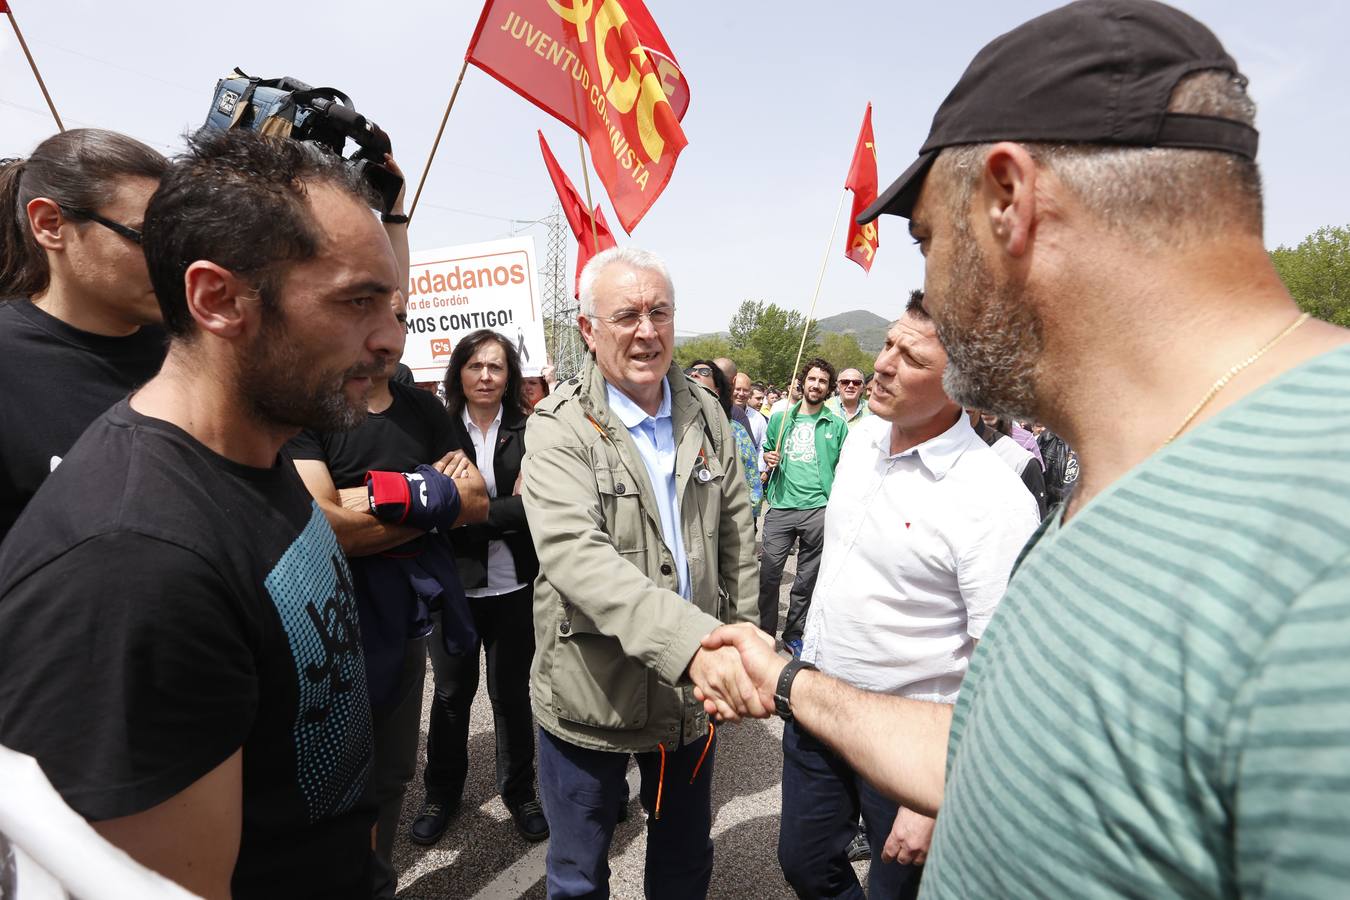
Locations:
{"points": [[455, 290]]}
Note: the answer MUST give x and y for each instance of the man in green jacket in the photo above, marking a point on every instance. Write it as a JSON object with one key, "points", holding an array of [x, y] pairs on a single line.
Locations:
{"points": [[642, 525], [799, 479]]}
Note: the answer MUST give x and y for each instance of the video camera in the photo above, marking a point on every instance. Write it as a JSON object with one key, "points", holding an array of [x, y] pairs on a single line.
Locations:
{"points": [[287, 107]]}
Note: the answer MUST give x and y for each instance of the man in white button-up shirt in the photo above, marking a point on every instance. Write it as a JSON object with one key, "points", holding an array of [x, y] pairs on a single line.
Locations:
{"points": [[921, 531]]}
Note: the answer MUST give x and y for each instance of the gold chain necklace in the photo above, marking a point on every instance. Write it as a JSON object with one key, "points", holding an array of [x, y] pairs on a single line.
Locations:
{"points": [[1228, 376]]}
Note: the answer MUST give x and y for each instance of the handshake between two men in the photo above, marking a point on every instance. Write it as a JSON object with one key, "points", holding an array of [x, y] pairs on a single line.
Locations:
{"points": [[736, 673]]}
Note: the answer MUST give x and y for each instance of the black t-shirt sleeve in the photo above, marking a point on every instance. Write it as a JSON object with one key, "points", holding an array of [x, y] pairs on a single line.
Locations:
{"points": [[442, 435], [308, 444], [128, 671]]}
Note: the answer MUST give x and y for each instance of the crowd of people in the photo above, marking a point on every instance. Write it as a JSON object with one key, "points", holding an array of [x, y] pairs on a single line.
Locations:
{"points": [[234, 533]]}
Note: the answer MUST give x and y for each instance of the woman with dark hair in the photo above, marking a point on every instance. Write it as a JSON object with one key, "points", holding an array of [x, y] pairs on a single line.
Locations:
{"points": [[497, 564], [708, 374], [78, 319]]}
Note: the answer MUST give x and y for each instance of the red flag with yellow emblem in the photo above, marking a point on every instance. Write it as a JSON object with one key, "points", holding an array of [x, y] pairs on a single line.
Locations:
{"points": [[592, 237], [862, 241], [603, 68]]}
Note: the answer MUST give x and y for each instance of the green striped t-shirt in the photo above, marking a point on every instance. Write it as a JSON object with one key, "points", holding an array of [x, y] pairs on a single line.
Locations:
{"points": [[1161, 706]]}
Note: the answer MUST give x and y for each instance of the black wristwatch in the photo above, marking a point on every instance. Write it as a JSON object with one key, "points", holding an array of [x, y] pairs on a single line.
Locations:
{"points": [[394, 219], [782, 695]]}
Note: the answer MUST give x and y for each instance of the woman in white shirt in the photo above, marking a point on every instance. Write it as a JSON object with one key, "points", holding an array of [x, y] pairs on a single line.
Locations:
{"points": [[497, 565]]}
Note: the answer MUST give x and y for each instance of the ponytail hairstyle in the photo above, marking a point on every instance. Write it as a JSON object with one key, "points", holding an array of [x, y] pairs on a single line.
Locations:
{"points": [[78, 169]]}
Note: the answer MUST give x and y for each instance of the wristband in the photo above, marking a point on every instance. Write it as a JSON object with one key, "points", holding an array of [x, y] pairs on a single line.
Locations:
{"points": [[782, 695], [424, 498], [394, 219], [390, 496]]}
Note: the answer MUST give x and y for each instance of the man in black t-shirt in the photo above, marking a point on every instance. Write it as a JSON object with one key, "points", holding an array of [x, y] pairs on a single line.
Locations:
{"points": [[405, 427], [79, 325], [179, 641]]}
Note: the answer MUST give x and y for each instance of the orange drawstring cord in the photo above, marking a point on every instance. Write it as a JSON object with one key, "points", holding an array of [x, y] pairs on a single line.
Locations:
{"points": [[660, 781], [661, 778], [712, 730]]}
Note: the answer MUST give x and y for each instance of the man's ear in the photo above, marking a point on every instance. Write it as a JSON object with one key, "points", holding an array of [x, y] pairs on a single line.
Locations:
{"points": [[1008, 196], [584, 323], [219, 301], [45, 219]]}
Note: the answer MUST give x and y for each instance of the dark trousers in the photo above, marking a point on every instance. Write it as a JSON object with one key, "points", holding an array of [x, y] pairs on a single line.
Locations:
{"points": [[396, 728], [822, 798], [781, 528], [582, 791], [505, 626]]}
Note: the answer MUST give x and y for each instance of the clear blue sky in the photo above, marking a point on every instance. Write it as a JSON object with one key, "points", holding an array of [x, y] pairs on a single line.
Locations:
{"points": [[778, 92]]}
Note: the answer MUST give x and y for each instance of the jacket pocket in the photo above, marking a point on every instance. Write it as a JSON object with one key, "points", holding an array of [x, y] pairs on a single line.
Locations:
{"points": [[621, 504], [594, 683]]}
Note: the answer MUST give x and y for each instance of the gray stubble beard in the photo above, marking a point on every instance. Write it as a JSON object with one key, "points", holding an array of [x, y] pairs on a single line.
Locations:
{"points": [[991, 359]]}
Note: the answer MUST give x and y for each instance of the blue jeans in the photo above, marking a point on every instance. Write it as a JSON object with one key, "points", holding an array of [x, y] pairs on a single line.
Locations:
{"points": [[582, 791], [822, 798]]}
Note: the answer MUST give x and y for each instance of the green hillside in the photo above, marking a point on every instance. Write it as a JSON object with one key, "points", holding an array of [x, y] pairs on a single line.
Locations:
{"points": [[867, 328]]}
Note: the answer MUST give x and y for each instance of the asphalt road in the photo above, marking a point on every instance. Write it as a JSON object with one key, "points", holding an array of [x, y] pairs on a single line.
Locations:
{"points": [[481, 855]]}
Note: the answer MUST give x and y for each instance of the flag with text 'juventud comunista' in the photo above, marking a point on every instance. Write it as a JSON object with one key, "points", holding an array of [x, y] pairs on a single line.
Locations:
{"points": [[592, 237], [603, 68], [862, 241]]}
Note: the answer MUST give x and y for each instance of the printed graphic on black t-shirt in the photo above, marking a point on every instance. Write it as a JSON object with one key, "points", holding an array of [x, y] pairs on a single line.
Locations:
{"points": [[312, 591], [162, 607], [57, 379]]}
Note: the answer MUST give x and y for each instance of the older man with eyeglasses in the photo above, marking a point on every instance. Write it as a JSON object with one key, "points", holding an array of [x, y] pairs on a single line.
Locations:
{"points": [[642, 526], [848, 400]]}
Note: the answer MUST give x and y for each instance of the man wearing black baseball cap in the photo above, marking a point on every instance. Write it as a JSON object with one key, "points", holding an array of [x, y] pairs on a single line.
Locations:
{"points": [[1158, 707]]}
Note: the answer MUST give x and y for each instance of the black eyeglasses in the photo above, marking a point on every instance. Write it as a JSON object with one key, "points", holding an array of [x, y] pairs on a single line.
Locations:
{"points": [[851, 382], [699, 370], [125, 231]]}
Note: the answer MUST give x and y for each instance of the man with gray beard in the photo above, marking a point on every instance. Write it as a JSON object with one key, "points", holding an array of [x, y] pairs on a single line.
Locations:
{"points": [[1155, 709]]}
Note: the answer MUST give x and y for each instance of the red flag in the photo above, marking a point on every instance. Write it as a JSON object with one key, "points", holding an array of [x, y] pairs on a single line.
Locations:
{"points": [[862, 240], [4, 6], [589, 242], [603, 68]]}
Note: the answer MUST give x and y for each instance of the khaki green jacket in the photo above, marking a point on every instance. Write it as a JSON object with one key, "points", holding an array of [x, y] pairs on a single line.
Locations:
{"points": [[613, 636]]}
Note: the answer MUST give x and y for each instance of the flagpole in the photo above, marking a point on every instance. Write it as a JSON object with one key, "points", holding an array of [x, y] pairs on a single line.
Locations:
{"points": [[445, 118], [586, 178], [801, 348], [33, 65]]}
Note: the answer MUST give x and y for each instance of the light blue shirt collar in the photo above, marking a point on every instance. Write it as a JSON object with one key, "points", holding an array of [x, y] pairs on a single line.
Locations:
{"points": [[632, 415]]}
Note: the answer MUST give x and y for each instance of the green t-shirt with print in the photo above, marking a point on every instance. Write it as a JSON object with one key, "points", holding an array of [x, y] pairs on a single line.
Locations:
{"points": [[798, 484]]}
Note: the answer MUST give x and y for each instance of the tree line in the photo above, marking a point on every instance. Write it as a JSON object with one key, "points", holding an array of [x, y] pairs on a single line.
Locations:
{"points": [[762, 339], [1317, 273]]}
